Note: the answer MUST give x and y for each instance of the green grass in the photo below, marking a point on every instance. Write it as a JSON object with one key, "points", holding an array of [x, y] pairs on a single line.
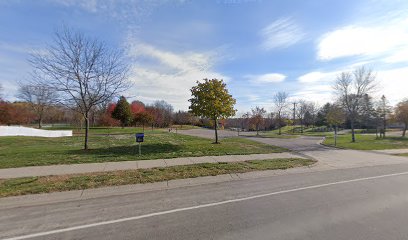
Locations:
{"points": [[33, 185], [367, 142], [113, 130], [37, 151], [403, 154], [185, 127], [288, 133]]}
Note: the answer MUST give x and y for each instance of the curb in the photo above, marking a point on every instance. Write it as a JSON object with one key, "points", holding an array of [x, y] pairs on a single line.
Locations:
{"points": [[92, 193]]}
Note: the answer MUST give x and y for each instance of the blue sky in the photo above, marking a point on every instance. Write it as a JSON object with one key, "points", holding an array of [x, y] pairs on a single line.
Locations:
{"points": [[258, 47]]}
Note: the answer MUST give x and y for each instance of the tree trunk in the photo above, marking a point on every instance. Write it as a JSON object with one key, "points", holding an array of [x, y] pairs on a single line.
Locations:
{"points": [[143, 127], [385, 126], [405, 130], [40, 122], [216, 132], [376, 132], [353, 137], [279, 125], [86, 131]]}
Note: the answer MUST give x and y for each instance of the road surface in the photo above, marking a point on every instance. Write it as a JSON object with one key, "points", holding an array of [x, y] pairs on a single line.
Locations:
{"points": [[358, 195], [359, 203]]}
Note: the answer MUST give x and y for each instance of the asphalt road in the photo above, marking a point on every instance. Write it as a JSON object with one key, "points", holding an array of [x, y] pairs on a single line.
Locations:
{"points": [[359, 203]]}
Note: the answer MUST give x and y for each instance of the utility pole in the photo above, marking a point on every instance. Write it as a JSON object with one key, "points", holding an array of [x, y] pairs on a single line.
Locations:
{"points": [[294, 117]]}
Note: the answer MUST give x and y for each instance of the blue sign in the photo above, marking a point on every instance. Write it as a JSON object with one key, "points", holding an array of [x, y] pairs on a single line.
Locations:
{"points": [[139, 137]]}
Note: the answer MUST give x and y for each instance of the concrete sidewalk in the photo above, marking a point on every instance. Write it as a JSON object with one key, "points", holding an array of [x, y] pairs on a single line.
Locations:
{"points": [[128, 165]]}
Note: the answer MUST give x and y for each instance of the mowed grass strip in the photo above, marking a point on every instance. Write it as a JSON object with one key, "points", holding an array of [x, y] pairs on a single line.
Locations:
{"points": [[36, 151], [367, 142], [34, 185]]}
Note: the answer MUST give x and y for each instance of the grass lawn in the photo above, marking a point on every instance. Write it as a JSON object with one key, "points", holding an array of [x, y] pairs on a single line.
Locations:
{"points": [[287, 132], [37, 151], [368, 142], [31, 185], [108, 130], [403, 154]]}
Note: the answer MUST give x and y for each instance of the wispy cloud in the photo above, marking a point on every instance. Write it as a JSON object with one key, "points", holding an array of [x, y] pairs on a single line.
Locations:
{"points": [[318, 77], [266, 78], [281, 33], [128, 11], [388, 39], [162, 74]]}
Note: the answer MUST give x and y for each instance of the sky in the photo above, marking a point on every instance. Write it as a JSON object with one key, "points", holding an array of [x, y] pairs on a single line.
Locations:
{"points": [[258, 47]]}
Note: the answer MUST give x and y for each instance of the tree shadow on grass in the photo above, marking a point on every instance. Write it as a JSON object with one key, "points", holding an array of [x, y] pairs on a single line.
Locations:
{"points": [[130, 150]]}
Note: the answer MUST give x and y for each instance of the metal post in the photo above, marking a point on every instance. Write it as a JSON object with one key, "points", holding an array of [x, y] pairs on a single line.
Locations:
{"points": [[140, 149], [294, 117], [335, 135]]}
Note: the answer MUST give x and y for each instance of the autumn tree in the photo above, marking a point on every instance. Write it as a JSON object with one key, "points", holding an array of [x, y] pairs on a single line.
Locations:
{"points": [[82, 71], [40, 98], [351, 87], [122, 112], [137, 107], [143, 118], [280, 100], [258, 117], [211, 99], [335, 117], [401, 114]]}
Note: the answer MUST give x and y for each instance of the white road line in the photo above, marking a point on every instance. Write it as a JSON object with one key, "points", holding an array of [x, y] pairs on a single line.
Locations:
{"points": [[62, 230]]}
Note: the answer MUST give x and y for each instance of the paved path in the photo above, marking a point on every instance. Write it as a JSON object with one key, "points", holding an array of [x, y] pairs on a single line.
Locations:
{"points": [[330, 158], [392, 151], [128, 165]]}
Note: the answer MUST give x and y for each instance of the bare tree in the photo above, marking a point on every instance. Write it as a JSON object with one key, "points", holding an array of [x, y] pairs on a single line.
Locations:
{"points": [[245, 123], [280, 101], [39, 96], [351, 89], [401, 113], [82, 71], [258, 117]]}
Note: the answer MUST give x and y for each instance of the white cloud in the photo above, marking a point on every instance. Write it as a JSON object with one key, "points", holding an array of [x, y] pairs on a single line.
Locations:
{"points": [[281, 33], [379, 39], [317, 86], [312, 77], [266, 78], [253, 97], [398, 56], [393, 84], [159, 74]]}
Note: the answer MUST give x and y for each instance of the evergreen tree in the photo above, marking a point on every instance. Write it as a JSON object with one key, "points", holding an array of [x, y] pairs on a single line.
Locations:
{"points": [[122, 112]]}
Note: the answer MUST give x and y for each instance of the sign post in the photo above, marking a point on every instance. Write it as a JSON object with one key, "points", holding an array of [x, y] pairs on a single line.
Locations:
{"points": [[139, 139]]}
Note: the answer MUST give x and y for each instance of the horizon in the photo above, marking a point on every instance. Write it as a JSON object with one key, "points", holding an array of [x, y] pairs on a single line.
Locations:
{"points": [[257, 47]]}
